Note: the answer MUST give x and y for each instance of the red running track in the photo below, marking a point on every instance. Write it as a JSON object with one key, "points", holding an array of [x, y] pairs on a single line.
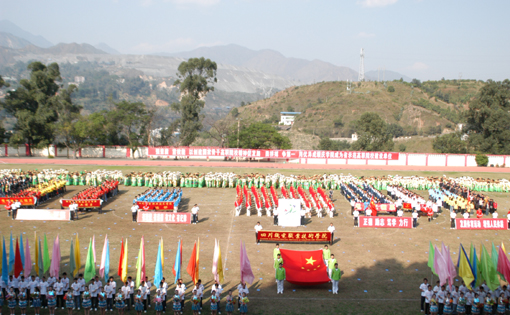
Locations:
{"points": [[200, 163]]}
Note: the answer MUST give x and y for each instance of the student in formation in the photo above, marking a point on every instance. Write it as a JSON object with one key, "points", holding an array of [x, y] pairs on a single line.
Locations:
{"points": [[101, 304], [138, 302], [276, 251], [36, 300], [69, 297], [230, 303], [448, 304], [23, 301], [475, 309], [158, 302], [119, 302], [214, 303], [143, 289], [52, 300], [326, 254], [86, 301], [423, 290], [501, 303], [461, 304], [331, 265], [176, 299], [11, 300], [244, 304], [195, 303], [280, 278], [125, 289], [336, 274], [433, 305], [219, 289], [199, 287], [278, 261]]}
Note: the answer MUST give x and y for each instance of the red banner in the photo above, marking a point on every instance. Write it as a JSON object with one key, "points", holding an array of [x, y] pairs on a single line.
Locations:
{"points": [[294, 236], [43, 215], [270, 154], [160, 205], [164, 217], [398, 222], [407, 206], [25, 201], [82, 203], [481, 224]]}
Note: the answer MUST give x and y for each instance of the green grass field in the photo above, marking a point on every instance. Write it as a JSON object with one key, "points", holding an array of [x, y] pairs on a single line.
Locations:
{"points": [[383, 268]]}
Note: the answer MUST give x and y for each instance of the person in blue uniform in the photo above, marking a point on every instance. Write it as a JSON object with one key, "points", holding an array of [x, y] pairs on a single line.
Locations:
{"points": [[176, 299], [230, 303], [51, 296]]}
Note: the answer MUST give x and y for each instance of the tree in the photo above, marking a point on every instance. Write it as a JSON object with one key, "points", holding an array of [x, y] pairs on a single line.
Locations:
{"points": [[449, 143], [488, 119], [259, 136], [195, 77], [235, 112], [3, 83], [372, 133], [132, 117], [395, 130], [33, 105], [331, 145], [391, 89]]}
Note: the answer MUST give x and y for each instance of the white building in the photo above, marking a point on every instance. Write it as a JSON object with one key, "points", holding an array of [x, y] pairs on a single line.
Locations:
{"points": [[287, 118]]}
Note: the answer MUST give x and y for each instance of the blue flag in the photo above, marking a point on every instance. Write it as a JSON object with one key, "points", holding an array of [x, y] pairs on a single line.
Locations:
{"points": [[11, 256], [5, 266], [178, 261], [158, 270], [21, 251], [107, 261]]}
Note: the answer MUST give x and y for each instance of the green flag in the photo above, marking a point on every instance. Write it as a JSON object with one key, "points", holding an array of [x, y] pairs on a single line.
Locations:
{"points": [[494, 257], [431, 258], [488, 270], [90, 268], [46, 255], [41, 266], [72, 264], [475, 264], [139, 265]]}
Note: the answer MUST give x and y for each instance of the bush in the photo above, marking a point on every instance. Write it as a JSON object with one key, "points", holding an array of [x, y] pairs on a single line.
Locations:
{"points": [[391, 89], [402, 147], [481, 160]]}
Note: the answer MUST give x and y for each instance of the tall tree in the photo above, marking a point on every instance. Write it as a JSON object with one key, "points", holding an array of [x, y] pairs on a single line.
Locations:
{"points": [[259, 136], [488, 119], [373, 133], [195, 78], [67, 128], [132, 117]]}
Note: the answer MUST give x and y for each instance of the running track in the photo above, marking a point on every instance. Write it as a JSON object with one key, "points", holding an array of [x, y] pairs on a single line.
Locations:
{"points": [[200, 163]]}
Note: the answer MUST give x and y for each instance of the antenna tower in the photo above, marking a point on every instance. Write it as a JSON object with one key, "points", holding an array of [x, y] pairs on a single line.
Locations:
{"points": [[361, 74]]}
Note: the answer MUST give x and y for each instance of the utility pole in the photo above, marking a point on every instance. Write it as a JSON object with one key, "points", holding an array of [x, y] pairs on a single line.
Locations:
{"points": [[361, 73], [238, 128]]}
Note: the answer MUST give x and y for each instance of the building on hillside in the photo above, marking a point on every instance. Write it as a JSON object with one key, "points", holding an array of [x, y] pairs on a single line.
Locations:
{"points": [[354, 137], [287, 118], [79, 79]]}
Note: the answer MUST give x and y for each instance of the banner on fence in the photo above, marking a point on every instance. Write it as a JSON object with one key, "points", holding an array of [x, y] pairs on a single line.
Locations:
{"points": [[160, 205], [271, 154], [43, 215], [399, 222], [25, 201], [279, 236], [82, 203], [163, 217], [481, 224]]}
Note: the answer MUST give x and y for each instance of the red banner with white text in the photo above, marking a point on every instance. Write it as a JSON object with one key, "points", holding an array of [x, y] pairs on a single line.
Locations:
{"points": [[158, 205], [82, 203], [25, 201], [270, 154], [43, 215], [293, 236], [376, 222], [481, 224], [164, 217]]}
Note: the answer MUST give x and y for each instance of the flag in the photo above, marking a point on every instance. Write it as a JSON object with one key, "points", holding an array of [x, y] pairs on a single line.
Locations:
{"points": [[104, 269], [475, 265], [431, 258], [494, 257], [452, 273], [77, 257], [11, 256], [215, 261], [503, 263], [302, 267], [28, 260], [440, 266], [123, 277], [178, 262], [55, 259], [94, 247], [162, 256], [488, 270], [119, 272], [245, 266], [46, 255], [72, 262], [465, 270], [140, 264], [36, 256], [197, 270], [21, 251], [18, 265], [1, 258], [192, 265], [5, 265], [40, 272], [220, 265], [90, 267], [158, 270]]}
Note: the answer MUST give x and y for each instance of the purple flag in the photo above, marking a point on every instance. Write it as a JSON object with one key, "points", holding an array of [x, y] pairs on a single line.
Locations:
{"points": [[28, 261], [55, 259], [440, 266], [452, 272], [245, 266]]}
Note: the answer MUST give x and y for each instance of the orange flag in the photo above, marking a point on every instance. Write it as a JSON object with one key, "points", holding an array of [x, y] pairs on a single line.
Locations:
{"points": [[119, 273], [192, 268]]}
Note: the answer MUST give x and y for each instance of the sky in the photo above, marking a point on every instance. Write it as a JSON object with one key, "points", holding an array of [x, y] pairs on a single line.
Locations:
{"points": [[424, 39]]}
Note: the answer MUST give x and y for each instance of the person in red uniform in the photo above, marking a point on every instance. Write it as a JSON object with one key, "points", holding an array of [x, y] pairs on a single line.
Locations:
{"points": [[479, 214]]}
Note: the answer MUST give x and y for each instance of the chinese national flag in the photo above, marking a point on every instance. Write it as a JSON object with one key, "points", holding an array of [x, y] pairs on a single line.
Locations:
{"points": [[304, 267]]}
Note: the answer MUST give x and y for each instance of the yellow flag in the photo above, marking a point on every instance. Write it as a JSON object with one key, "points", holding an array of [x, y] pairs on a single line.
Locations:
{"points": [[503, 247], [198, 254], [465, 271], [37, 253], [162, 257], [220, 264], [77, 260], [125, 263]]}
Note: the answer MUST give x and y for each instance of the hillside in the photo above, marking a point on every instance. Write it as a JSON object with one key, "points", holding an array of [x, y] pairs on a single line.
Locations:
{"points": [[329, 109]]}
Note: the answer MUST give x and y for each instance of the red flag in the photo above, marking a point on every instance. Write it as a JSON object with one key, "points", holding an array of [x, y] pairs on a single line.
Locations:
{"points": [[305, 267], [503, 263], [192, 265], [18, 265], [119, 273]]}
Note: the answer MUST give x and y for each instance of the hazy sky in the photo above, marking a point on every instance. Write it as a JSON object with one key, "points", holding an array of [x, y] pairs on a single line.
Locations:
{"points": [[426, 39]]}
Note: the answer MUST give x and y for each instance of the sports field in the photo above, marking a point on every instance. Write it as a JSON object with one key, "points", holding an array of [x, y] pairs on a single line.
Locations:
{"points": [[382, 267]]}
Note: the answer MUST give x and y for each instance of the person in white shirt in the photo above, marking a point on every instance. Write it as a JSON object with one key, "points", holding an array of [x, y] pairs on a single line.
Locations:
{"points": [[469, 295], [134, 211], [423, 288], [400, 213], [65, 282], [353, 203], [93, 289], [126, 292], [241, 289], [257, 228], [14, 208], [59, 292], [218, 289], [455, 297], [199, 287], [303, 213], [76, 293], [453, 215], [356, 217], [148, 285], [98, 282], [109, 291], [495, 216], [368, 212], [43, 289], [441, 295], [428, 296], [131, 284], [194, 213], [181, 289], [82, 283], [143, 291], [162, 291], [331, 229], [466, 216], [415, 218], [51, 281], [437, 287]]}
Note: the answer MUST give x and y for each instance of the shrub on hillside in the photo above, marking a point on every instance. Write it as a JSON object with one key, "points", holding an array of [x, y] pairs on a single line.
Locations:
{"points": [[391, 89], [481, 160]]}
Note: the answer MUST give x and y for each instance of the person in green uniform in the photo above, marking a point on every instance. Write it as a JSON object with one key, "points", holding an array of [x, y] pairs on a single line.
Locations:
{"points": [[336, 274], [326, 253], [280, 278], [278, 261], [331, 264], [276, 251]]}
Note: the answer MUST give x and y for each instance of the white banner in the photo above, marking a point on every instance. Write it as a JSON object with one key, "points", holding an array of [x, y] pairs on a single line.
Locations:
{"points": [[289, 212], [43, 214]]}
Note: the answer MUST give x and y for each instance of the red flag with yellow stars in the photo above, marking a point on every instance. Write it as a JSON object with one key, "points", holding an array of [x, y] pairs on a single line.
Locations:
{"points": [[304, 267]]}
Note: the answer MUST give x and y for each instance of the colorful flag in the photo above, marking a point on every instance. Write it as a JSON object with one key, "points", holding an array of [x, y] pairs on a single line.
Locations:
{"points": [[217, 268], [46, 255], [140, 264], [488, 270], [198, 260], [475, 265], [36, 256], [104, 269], [5, 265], [192, 265], [247, 273], [452, 272], [465, 270], [55, 259], [162, 256], [178, 262], [90, 266], [503, 263], [220, 265], [28, 260], [158, 270], [494, 258], [94, 247], [11, 256], [431, 258], [21, 251], [72, 263], [440, 266], [123, 277], [77, 257], [119, 272], [41, 264], [18, 265]]}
